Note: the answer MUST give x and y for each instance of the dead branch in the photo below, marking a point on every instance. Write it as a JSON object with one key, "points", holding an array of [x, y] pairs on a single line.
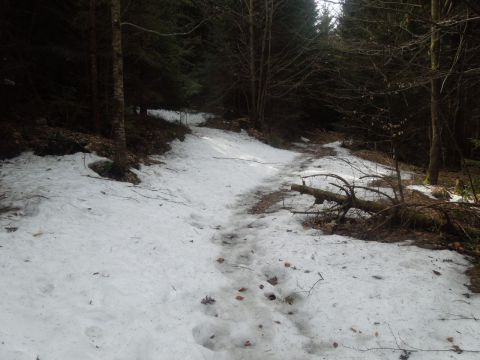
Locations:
{"points": [[248, 160], [403, 213]]}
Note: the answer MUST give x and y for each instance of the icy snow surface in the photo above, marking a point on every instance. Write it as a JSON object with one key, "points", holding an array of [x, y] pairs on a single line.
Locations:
{"points": [[184, 117], [100, 270], [427, 190]]}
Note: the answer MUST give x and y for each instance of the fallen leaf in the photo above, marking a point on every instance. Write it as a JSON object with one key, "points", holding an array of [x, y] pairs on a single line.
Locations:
{"points": [[239, 298], [273, 281], [437, 273], [207, 300], [335, 345], [242, 289], [287, 265], [290, 299], [457, 349], [353, 329], [247, 343], [450, 339], [456, 246], [220, 260]]}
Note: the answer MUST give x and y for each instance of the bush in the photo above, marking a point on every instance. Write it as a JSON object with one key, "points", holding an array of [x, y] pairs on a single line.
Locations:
{"points": [[11, 142]]}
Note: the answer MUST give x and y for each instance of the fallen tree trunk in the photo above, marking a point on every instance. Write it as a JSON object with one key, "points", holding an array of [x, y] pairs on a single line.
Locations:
{"points": [[400, 213]]}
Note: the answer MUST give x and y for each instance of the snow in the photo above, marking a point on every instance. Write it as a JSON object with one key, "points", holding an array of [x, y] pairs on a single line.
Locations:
{"points": [[184, 117], [356, 171], [103, 270], [427, 190]]}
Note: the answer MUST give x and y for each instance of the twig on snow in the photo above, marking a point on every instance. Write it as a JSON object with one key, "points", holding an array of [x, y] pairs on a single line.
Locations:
{"points": [[241, 267], [249, 160], [455, 350], [309, 291], [460, 317]]}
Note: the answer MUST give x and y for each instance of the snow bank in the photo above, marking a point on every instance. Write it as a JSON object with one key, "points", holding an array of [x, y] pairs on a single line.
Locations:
{"points": [[105, 270], [354, 170], [183, 117], [428, 190], [99, 270], [316, 296]]}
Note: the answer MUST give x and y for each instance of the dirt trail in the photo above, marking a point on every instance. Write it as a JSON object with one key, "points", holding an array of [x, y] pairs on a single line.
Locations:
{"points": [[295, 293], [254, 318]]}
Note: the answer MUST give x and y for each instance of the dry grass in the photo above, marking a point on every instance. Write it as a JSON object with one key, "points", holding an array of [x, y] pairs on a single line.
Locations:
{"points": [[145, 137], [323, 137], [474, 275], [447, 178], [384, 159]]}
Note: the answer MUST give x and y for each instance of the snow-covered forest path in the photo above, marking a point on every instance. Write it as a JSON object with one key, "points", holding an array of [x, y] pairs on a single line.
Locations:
{"points": [[95, 269]]}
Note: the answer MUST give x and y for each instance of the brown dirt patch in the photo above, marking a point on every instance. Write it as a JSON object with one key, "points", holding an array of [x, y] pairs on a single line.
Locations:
{"points": [[266, 201], [474, 275], [106, 169], [322, 137], [383, 159], [230, 125], [145, 136], [318, 151], [447, 178], [5, 208]]}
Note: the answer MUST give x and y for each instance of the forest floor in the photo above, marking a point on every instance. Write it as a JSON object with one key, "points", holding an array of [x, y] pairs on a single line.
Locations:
{"points": [[204, 259]]}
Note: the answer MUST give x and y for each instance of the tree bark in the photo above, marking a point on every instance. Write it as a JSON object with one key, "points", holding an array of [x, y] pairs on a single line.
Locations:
{"points": [[252, 66], [94, 67], [118, 105], [436, 126]]}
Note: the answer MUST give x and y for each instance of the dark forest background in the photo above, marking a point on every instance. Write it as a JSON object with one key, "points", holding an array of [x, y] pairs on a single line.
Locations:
{"points": [[400, 76]]}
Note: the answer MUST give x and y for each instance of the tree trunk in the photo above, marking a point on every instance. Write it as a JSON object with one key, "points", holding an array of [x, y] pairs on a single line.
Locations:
{"points": [[94, 67], [143, 111], [253, 70], [118, 106], [436, 131], [264, 64]]}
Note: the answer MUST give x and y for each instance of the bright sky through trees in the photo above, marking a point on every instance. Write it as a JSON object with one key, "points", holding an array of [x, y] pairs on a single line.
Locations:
{"points": [[334, 5]]}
